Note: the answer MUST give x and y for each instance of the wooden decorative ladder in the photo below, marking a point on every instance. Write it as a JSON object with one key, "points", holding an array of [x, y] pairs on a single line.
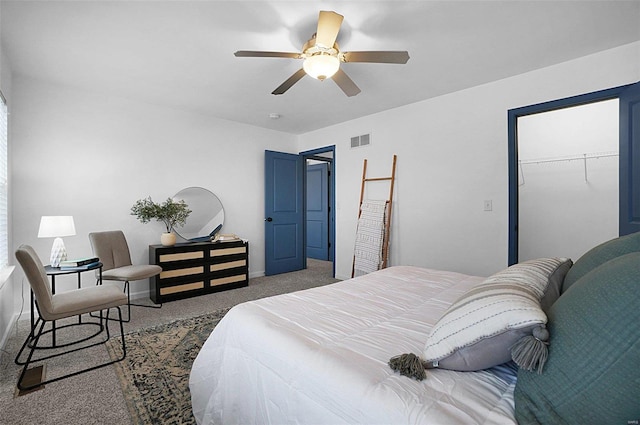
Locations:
{"points": [[389, 205]]}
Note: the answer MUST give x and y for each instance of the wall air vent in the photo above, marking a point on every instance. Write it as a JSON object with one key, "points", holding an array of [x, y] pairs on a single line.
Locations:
{"points": [[363, 140]]}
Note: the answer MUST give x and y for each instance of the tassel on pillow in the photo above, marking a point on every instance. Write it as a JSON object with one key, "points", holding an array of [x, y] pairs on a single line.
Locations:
{"points": [[408, 365], [531, 351], [411, 365]]}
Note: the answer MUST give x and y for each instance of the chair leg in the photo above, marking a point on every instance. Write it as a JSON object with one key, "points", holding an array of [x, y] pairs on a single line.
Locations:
{"points": [[29, 338], [137, 305], [124, 346], [127, 289], [36, 337]]}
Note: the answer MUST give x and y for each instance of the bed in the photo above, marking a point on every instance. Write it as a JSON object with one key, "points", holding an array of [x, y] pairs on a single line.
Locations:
{"points": [[320, 356]]}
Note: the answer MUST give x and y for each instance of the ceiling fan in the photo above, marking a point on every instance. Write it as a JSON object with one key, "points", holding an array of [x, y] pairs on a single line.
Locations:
{"points": [[322, 56]]}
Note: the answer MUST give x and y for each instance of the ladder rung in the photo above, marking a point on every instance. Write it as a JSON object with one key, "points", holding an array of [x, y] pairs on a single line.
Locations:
{"points": [[377, 178]]}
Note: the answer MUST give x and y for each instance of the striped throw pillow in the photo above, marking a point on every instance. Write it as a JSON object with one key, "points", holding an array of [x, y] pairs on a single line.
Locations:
{"points": [[479, 329]]}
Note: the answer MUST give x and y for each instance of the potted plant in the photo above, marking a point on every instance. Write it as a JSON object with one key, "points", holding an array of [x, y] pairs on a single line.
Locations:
{"points": [[170, 212]]}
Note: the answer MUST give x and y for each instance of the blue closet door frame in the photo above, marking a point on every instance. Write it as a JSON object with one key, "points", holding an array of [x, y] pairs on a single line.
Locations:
{"points": [[630, 162], [629, 96], [317, 209], [332, 198]]}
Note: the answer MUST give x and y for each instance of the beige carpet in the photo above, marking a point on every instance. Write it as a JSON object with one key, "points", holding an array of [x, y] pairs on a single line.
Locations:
{"points": [[97, 397]]}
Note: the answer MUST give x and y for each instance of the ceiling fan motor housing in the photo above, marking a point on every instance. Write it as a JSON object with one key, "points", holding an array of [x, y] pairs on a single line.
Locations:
{"points": [[320, 62]]}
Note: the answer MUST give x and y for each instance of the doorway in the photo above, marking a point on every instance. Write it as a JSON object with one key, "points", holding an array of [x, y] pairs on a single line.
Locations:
{"points": [[320, 206], [317, 208], [285, 209], [568, 180], [628, 161]]}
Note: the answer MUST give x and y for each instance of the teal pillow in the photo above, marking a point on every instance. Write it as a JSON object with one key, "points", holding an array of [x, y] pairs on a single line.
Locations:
{"points": [[600, 255], [592, 374]]}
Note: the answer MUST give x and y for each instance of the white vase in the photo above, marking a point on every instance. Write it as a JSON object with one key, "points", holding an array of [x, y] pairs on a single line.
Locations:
{"points": [[168, 239]]}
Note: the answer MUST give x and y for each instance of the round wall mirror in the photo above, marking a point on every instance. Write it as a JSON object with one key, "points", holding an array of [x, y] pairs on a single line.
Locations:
{"points": [[207, 214]]}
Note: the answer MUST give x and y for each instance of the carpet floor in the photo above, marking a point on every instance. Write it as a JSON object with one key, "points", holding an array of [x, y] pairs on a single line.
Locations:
{"points": [[107, 395]]}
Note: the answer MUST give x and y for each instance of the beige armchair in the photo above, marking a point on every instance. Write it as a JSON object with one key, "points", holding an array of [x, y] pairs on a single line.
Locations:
{"points": [[113, 251], [59, 306]]}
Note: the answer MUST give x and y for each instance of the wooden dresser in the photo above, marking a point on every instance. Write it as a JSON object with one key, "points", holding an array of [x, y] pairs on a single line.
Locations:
{"points": [[193, 269]]}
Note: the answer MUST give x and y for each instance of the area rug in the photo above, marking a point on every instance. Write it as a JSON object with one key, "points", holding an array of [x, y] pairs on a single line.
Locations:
{"points": [[155, 374]]}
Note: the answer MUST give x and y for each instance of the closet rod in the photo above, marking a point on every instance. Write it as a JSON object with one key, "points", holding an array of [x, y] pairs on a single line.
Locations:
{"points": [[583, 158], [569, 158]]}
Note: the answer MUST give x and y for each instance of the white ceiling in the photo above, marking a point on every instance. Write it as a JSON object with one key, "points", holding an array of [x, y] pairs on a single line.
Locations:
{"points": [[180, 53]]}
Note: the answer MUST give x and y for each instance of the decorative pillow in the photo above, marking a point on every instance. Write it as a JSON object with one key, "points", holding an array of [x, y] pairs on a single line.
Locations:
{"points": [[482, 328], [600, 255], [592, 374], [554, 288]]}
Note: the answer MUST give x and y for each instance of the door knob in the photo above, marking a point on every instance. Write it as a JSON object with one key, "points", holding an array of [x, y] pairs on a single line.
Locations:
{"points": [[268, 219]]}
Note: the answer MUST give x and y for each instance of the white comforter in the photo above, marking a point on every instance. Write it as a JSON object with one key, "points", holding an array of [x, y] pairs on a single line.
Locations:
{"points": [[320, 357]]}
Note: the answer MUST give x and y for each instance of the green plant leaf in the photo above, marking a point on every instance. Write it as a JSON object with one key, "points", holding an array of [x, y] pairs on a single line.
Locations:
{"points": [[170, 212]]}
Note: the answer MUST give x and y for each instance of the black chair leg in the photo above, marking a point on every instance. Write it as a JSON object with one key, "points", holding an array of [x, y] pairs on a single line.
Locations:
{"points": [[29, 338], [126, 289], [34, 338]]}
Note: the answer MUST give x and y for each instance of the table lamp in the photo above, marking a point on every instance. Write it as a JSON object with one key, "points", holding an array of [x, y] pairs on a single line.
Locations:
{"points": [[55, 227]]}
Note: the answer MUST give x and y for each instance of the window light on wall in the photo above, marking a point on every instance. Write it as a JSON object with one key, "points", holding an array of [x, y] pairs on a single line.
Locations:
{"points": [[4, 222]]}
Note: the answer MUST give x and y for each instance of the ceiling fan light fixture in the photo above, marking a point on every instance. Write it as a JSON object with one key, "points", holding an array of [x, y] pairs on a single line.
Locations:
{"points": [[321, 65], [322, 56]]}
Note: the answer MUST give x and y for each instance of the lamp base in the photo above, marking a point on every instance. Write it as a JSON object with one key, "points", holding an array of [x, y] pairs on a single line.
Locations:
{"points": [[58, 252]]}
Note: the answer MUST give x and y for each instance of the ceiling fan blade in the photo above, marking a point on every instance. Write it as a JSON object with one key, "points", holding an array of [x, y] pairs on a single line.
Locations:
{"points": [[377, 56], [259, 54], [328, 28], [290, 82], [345, 83]]}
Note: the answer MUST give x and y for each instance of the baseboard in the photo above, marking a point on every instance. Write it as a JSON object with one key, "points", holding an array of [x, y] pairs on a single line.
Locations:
{"points": [[4, 337]]}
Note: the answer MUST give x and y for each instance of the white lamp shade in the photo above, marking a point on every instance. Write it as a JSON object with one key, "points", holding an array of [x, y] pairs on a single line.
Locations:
{"points": [[54, 226], [321, 66]]}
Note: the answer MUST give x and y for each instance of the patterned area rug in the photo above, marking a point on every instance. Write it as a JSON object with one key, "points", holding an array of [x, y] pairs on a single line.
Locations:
{"points": [[155, 374]]}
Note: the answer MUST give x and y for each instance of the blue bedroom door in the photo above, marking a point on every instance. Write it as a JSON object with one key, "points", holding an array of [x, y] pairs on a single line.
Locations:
{"points": [[284, 214], [318, 211], [629, 221]]}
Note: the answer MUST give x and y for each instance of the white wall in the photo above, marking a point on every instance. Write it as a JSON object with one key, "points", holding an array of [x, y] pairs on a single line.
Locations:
{"points": [[6, 288], [452, 155], [92, 156]]}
